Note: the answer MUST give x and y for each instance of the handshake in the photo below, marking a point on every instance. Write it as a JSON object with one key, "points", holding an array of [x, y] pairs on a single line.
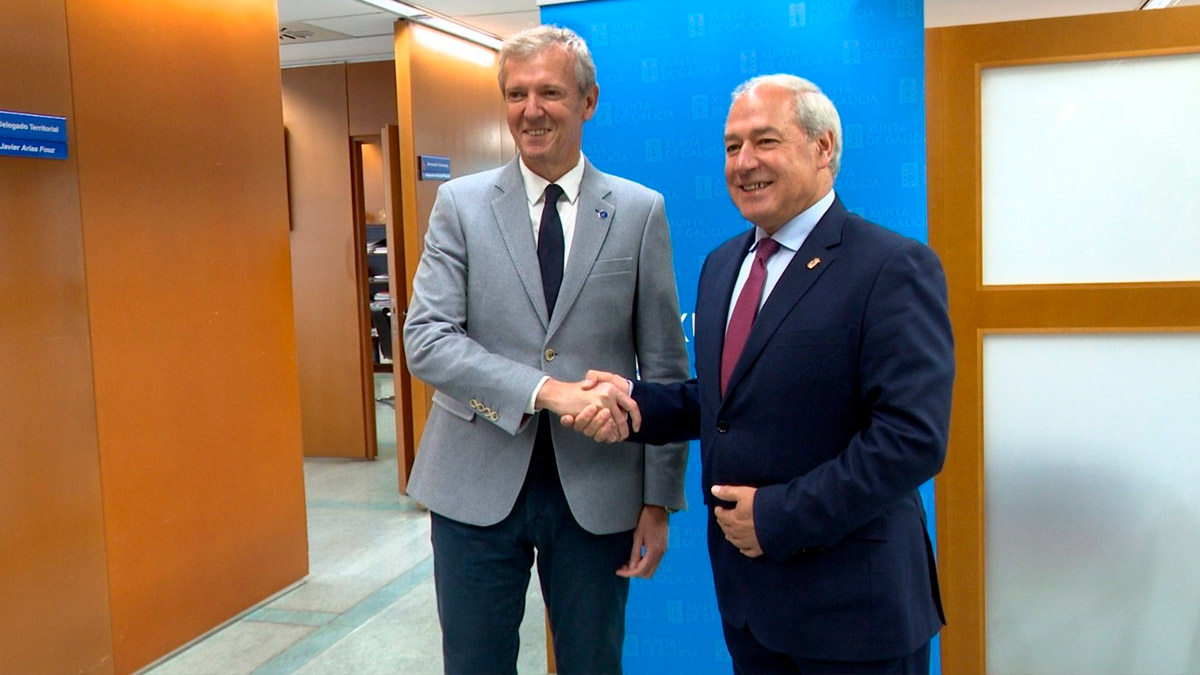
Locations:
{"points": [[598, 406]]}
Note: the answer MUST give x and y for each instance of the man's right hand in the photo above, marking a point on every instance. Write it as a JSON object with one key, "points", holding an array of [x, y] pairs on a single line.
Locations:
{"points": [[592, 421], [608, 408]]}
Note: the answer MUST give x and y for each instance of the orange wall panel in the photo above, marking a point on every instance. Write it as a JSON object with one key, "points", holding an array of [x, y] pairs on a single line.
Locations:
{"points": [[183, 195], [54, 610]]}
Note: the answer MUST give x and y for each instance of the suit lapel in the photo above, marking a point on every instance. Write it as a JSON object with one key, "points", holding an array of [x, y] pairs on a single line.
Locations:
{"points": [[715, 296], [796, 280], [511, 209], [593, 215]]}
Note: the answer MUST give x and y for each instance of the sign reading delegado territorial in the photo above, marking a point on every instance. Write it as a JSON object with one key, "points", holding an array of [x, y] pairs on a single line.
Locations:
{"points": [[29, 135]]}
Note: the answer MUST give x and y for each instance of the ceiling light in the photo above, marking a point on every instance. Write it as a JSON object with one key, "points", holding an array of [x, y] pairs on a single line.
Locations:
{"points": [[398, 8], [451, 46], [1158, 4], [436, 21]]}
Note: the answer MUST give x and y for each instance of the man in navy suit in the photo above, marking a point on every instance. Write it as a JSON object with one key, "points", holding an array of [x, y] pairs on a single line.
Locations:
{"points": [[824, 368]]}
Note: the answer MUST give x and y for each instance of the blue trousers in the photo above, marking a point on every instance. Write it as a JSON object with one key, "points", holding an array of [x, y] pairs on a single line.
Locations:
{"points": [[751, 656], [482, 573]]}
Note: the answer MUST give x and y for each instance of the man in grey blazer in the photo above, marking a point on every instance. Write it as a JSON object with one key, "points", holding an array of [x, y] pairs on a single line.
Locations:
{"points": [[532, 274]]}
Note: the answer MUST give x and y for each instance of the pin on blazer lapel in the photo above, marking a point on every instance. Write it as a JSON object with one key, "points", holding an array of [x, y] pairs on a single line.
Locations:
{"points": [[793, 284], [591, 229]]}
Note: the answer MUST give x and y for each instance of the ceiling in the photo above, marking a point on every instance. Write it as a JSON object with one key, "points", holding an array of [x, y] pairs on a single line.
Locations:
{"points": [[331, 31], [361, 32]]}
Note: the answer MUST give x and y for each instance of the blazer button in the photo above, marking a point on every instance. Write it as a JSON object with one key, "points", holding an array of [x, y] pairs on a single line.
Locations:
{"points": [[474, 404], [722, 426], [549, 355]]}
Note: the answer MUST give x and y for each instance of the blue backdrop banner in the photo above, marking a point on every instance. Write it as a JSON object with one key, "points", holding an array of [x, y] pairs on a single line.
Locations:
{"points": [[666, 69]]}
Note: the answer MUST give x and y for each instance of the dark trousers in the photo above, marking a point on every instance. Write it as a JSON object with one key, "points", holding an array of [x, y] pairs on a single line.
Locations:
{"points": [[751, 656], [481, 575]]}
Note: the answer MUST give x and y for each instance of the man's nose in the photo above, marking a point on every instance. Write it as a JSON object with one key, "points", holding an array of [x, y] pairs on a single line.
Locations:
{"points": [[745, 159], [533, 107]]}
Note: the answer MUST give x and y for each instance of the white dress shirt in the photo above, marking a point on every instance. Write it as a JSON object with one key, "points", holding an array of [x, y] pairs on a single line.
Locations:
{"points": [[790, 237], [568, 206]]}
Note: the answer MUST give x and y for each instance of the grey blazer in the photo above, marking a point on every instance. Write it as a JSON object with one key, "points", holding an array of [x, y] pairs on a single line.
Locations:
{"points": [[478, 332]]}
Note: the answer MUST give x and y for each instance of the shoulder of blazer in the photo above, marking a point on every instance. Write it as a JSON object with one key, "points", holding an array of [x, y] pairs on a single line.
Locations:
{"points": [[485, 183], [863, 234], [609, 186], [736, 245]]}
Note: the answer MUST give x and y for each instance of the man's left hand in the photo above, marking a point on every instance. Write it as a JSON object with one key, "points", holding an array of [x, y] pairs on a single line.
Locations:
{"points": [[649, 543], [738, 523]]}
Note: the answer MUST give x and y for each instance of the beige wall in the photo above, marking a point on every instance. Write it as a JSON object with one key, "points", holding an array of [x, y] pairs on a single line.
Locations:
{"points": [[164, 451]]}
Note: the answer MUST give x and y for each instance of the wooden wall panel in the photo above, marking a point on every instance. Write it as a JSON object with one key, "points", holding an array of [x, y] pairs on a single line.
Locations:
{"points": [[398, 272], [324, 262], [183, 195], [370, 96], [54, 611], [449, 107]]}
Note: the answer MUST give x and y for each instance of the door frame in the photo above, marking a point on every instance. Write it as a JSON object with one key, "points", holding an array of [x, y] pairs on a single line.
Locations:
{"points": [[955, 59]]}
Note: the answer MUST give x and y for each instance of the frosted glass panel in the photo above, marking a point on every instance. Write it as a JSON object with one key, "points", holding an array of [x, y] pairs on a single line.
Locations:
{"points": [[1091, 171], [1092, 492]]}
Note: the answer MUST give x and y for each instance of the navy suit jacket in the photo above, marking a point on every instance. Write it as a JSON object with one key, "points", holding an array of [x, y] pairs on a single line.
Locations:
{"points": [[837, 410]]}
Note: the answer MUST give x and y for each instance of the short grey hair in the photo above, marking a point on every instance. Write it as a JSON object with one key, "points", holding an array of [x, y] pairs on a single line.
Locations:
{"points": [[815, 113], [532, 41]]}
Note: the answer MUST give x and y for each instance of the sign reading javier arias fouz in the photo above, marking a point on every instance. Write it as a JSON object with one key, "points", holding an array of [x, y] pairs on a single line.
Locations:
{"points": [[29, 135]]}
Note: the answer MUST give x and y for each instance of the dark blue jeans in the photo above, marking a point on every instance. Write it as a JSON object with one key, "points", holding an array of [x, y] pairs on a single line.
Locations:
{"points": [[482, 573]]}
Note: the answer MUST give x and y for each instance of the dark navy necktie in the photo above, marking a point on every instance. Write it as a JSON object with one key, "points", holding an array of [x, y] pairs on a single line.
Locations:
{"points": [[550, 247]]}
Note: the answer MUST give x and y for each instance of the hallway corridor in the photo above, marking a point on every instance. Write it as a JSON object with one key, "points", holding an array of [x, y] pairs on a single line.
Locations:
{"points": [[368, 603]]}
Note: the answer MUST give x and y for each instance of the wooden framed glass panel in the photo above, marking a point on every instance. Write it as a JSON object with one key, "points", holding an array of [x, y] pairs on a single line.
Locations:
{"points": [[957, 59]]}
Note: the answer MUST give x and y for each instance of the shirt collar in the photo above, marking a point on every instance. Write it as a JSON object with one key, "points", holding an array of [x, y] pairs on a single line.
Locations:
{"points": [[793, 233], [535, 185]]}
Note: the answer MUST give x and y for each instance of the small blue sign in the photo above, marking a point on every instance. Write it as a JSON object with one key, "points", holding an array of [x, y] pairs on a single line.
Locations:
{"points": [[434, 167], [29, 135], [42, 149], [33, 127]]}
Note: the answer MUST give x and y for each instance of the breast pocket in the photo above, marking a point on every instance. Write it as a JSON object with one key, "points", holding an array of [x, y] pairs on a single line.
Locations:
{"points": [[608, 266]]}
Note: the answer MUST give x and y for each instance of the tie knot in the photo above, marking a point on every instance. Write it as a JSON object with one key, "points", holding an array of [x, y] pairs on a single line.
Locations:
{"points": [[766, 248], [553, 193]]}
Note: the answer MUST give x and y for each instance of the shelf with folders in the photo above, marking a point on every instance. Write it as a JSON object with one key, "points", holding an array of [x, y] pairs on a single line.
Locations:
{"points": [[379, 296]]}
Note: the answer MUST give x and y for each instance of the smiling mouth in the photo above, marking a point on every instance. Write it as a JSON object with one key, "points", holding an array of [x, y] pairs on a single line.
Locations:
{"points": [[537, 132], [753, 187]]}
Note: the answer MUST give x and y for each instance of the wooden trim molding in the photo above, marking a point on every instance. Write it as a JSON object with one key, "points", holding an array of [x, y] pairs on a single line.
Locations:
{"points": [[955, 58]]}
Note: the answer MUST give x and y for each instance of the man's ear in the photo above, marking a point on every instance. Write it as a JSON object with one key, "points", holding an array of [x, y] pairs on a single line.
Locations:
{"points": [[824, 149], [589, 102]]}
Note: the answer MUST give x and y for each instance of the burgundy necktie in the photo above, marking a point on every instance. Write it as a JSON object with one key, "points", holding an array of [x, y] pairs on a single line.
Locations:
{"points": [[746, 309]]}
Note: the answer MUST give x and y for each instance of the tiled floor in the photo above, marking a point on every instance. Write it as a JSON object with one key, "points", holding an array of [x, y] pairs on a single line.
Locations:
{"points": [[368, 604]]}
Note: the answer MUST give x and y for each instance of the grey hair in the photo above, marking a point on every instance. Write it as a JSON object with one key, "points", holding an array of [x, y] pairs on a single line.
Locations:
{"points": [[533, 41], [815, 113]]}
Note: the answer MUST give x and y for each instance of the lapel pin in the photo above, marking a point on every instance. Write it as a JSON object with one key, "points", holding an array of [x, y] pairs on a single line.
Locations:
{"points": [[603, 214], [813, 263]]}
